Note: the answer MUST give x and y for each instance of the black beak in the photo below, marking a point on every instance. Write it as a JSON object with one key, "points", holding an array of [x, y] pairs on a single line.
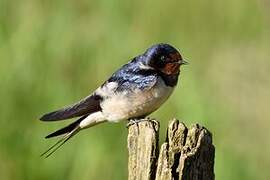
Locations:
{"points": [[182, 62]]}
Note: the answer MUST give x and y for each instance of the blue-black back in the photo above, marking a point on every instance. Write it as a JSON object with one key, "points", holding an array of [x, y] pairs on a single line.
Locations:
{"points": [[131, 76]]}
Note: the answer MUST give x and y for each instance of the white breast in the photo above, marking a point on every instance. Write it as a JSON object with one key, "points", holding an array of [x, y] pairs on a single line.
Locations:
{"points": [[125, 105]]}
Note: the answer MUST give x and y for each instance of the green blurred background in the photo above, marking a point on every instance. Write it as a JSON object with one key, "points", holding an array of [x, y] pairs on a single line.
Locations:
{"points": [[52, 53]]}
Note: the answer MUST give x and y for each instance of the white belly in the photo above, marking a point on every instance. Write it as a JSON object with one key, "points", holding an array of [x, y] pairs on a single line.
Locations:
{"points": [[127, 105]]}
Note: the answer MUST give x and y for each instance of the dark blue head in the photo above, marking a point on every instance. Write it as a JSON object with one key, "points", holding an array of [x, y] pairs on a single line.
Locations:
{"points": [[164, 58]]}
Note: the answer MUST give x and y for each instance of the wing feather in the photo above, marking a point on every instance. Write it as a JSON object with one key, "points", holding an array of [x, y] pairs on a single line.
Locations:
{"points": [[87, 105]]}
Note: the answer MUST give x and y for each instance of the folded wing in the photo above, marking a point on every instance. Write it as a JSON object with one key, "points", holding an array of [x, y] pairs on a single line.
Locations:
{"points": [[87, 105]]}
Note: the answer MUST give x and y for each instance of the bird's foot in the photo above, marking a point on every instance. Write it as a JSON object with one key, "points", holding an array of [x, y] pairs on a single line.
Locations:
{"points": [[136, 121]]}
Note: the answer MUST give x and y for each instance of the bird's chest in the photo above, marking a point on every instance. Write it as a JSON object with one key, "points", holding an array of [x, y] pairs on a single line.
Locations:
{"points": [[130, 104]]}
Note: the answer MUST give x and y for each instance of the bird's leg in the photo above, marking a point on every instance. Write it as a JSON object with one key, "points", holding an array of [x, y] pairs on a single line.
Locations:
{"points": [[132, 121]]}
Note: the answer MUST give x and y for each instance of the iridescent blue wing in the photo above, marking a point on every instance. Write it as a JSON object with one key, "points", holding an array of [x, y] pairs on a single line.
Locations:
{"points": [[131, 77]]}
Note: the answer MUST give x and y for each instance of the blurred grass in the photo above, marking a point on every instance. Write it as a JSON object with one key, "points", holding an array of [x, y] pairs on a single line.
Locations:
{"points": [[52, 53]]}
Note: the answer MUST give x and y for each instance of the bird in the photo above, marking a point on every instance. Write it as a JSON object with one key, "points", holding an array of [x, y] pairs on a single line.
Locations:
{"points": [[133, 92]]}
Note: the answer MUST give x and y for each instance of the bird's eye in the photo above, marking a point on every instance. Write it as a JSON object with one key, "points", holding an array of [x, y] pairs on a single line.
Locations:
{"points": [[162, 58]]}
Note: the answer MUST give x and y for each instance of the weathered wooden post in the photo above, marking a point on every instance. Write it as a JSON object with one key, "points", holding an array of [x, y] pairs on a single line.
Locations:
{"points": [[187, 154]]}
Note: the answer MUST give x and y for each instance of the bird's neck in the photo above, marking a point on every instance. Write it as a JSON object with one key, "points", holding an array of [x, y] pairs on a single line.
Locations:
{"points": [[170, 80]]}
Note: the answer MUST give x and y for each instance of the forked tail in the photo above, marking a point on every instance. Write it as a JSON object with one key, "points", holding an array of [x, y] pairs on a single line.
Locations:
{"points": [[72, 129], [59, 143], [67, 132]]}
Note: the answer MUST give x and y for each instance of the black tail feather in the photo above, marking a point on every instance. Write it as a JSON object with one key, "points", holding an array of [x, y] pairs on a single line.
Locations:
{"points": [[66, 129], [68, 132], [52, 147], [61, 142]]}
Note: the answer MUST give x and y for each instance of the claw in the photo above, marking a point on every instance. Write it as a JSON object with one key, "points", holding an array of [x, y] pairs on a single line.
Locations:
{"points": [[136, 121]]}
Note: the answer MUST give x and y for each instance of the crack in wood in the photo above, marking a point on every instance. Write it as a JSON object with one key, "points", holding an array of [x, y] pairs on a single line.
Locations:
{"points": [[187, 154]]}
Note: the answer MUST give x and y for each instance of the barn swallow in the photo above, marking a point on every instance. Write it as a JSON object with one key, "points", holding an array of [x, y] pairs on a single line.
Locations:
{"points": [[134, 91]]}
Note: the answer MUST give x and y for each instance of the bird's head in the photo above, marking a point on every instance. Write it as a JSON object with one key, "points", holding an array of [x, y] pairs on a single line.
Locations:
{"points": [[163, 58]]}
